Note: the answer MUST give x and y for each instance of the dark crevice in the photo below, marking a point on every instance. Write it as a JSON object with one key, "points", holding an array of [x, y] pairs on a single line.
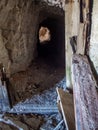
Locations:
{"points": [[53, 51], [73, 43], [90, 12], [81, 11]]}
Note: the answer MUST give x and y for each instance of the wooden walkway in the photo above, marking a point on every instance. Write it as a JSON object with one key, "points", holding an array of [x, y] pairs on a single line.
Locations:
{"points": [[67, 108]]}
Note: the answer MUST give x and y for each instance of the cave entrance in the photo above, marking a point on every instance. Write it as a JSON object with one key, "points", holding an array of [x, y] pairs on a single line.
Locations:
{"points": [[47, 71], [33, 88], [51, 41]]}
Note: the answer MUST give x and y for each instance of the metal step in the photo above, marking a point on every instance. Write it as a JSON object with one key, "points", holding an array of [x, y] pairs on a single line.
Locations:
{"points": [[31, 108], [4, 100]]}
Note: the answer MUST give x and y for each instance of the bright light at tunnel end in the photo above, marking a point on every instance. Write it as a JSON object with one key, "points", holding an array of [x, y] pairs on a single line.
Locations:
{"points": [[44, 35]]}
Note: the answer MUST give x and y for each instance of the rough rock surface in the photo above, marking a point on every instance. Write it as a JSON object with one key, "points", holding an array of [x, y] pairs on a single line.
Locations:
{"points": [[40, 76], [94, 36], [31, 122], [20, 122], [19, 21], [18, 24], [4, 126]]}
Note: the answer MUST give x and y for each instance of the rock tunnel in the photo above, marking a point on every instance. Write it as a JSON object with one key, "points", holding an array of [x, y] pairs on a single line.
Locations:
{"points": [[34, 94], [44, 61], [31, 68], [53, 51]]}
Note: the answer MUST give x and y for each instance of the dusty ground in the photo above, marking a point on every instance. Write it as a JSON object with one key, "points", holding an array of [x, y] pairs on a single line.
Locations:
{"points": [[40, 76], [31, 122]]}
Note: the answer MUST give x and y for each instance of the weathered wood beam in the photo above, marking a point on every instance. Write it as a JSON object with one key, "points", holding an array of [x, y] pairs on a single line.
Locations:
{"points": [[72, 12], [85, 94], [83, 33], [77, 24], [67, 108], [80, 41]]}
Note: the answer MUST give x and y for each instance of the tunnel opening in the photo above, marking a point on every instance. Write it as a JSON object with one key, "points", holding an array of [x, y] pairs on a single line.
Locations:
{"points": [[52, 49], [47, 70], [37, 84], [37, 66]]}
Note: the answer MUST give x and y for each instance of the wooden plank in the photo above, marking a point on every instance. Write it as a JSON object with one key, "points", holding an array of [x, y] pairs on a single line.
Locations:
{"points": [[80, 41], [72, 17], [66, 104], [83, 34], [85, 94], [68, 27], [75, 17], [85, 9]]}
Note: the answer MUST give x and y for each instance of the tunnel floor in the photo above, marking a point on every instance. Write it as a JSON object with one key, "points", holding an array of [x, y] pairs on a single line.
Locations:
{"points": [[35, 86], [40, 76]]}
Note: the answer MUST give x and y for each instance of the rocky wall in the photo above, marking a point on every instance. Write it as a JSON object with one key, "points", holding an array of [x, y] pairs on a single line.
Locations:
{"points": [[18, 23], [94, 36]]}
